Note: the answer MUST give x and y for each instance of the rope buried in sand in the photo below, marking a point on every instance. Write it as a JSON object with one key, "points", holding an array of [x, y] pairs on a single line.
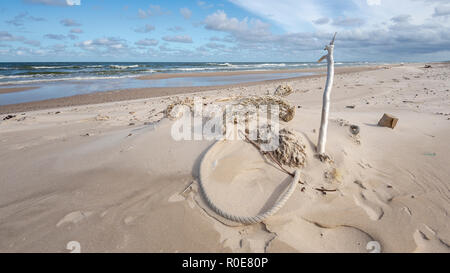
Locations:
{"points": [[250, 219]]}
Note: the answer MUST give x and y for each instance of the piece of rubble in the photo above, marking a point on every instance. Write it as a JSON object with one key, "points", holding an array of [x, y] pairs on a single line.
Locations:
{"points": [[354, 129], [388, 121], [9, 117]]}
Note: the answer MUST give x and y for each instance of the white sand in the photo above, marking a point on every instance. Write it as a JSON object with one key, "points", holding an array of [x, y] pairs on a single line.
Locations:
{"points": [[122, 188]]}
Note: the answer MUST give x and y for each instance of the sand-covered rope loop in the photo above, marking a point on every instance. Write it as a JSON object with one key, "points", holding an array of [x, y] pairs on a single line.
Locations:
{"points": [[290, 152], [287, 111], [170, 109]]}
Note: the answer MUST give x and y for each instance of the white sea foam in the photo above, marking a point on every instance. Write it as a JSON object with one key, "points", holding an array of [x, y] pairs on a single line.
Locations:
{"points": [[13, 76], [46, 67], [123, 66]]}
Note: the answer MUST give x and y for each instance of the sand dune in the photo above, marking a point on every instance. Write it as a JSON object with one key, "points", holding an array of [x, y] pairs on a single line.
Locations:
{"points": [[111, 177]]}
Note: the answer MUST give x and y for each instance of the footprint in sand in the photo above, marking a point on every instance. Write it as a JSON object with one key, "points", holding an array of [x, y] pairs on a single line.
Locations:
{"points": [[74, 217], [373, 200], [176, 197], [427, 241], [374, 212]]}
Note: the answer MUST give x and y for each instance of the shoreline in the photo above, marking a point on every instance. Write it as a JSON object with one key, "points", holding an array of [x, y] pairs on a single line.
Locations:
{"points": [[7, 90], [151, 92]]}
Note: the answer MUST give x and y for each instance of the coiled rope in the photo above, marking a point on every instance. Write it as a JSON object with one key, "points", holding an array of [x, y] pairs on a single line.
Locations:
{"points": [[247, 219]]}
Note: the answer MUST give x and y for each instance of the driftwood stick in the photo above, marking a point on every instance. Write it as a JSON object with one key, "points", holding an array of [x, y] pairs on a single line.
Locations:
{"points": [[326, 97]]}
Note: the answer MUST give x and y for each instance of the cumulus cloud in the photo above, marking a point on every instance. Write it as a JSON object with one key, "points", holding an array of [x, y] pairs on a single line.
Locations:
{"points": [[73, 2], [390, 39], [204, 4], [153, 10], [72, 37], [32, 42], [178, 39], [76, 30], [55, 2], [373, 2], [176, 29], [8, 37], [322, 21], [441, 11], [19, 19], [213, 45], [145, 29], [227, 39], [69, 23], [147, 42], [245, 29], [401, 18], [55, 36], [186, 13], [108, 44], [348, 22]]}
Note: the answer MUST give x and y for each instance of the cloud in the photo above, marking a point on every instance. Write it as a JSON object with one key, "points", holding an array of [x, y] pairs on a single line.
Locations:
{"points": [[19, 19], [145, 29], [142, 13], [441, 11], [401, 18], [147, 42], [32, 42], [69, 23], [176, 29], [253, 29], [55, 2], [215, 46], [8, 37], [73, 2], [55, 36], [186, 13], [373, 2], [322, 21], [204, 4], [398, 36], [76, 30], [153, 10], [220, 21], [178, 39], [228, 39], [348, 22], [106, 45], [291, 15]]}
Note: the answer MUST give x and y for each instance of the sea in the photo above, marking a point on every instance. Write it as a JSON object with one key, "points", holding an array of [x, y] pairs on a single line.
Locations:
{"points": [[61, 79]]}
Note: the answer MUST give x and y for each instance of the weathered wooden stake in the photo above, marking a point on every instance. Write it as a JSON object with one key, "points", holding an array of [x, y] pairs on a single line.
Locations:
{"points": [[326, 98]]}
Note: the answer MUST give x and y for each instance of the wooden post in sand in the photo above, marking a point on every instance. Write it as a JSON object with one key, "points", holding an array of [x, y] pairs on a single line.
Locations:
{"points": [[326, 99]]}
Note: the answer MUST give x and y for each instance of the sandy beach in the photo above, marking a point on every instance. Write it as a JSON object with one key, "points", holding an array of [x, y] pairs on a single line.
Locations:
{"points": [[104, 170], [139, 93]]}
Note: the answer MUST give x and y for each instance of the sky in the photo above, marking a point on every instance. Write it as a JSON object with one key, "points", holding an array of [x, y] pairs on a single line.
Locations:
{"points": [[223, 30]]}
